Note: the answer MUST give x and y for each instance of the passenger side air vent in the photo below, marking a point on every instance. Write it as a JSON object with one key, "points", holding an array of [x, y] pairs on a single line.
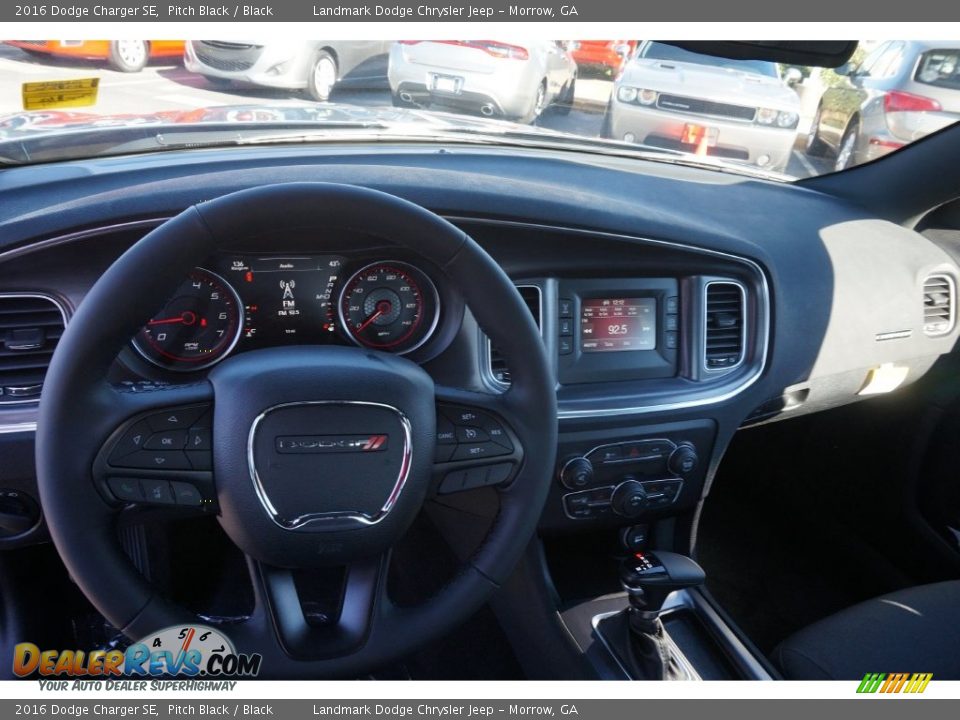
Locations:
{"points": [[724, 325], [939, 304], [30, 328], [498, 366]]}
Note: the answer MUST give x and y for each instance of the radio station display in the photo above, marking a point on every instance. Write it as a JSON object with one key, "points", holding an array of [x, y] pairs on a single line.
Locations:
{"points": [[618, 324], [286, 300]]}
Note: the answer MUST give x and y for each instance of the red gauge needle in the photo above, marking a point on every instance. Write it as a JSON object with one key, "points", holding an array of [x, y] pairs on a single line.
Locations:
{"points": [[382, 307], [187, 318]]}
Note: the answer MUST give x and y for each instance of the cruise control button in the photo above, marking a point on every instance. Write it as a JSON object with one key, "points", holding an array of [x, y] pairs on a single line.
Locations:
{"points": [[132, 441], [157, 491], [186, 494], [471, 435], [443, 453], [170, 440], [462, 416], [156, 460], [198, 439], [200, 459], [126, 489], [473, 451], [175, 419], [496, 432], [446, 432]]}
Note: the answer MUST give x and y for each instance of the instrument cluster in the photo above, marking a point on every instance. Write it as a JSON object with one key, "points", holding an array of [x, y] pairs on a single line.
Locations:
{"points": [[245, 302]]}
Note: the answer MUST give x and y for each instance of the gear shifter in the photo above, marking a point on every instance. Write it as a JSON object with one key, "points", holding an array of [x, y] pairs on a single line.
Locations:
{"points": [[648, 579]]}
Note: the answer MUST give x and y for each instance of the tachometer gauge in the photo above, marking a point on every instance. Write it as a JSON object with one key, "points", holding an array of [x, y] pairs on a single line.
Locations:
{"points": [[389, 306], [197, 327]]}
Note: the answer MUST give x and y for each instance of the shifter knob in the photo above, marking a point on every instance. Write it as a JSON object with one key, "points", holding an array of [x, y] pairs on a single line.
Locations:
{"points": [[649, 577]]}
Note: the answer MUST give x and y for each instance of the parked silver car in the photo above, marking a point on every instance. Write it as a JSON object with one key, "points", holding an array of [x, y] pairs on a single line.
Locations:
{"points": [[668, 97], [315, 65], [901, 92], [493, 78]]}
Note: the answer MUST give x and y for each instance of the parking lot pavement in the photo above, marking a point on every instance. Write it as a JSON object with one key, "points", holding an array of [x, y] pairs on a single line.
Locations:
{"points": [[169, 86]]}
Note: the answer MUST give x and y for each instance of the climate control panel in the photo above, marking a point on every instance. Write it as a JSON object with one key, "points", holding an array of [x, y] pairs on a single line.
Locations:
{"points": [[627, 479]]}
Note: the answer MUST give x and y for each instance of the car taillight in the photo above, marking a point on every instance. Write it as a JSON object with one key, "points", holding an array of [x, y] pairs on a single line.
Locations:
{"points": [[491, 47], [896, 101]]}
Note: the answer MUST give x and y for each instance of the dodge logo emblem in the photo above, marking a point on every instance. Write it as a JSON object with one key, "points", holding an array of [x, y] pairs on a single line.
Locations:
{"points": [[331, 443]]}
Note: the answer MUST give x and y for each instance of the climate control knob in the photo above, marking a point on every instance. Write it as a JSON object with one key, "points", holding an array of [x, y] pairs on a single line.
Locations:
{"points": [[577, 473], [683, 460], [629, 499]]}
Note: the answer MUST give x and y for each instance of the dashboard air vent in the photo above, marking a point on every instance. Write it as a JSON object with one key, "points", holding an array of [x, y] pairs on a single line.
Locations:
{"points": [[724, 326], [498, 366], [939, 304], [30, 327]]}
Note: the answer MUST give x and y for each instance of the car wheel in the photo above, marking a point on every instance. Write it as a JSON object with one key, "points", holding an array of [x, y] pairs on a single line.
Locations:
{"points": [[323, 76], [565, 101], [846, 155], [539, 103], [129, 56], [815, 147]]}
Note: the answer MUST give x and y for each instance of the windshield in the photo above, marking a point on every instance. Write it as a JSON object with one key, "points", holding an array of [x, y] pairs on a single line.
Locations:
{"points": [[662, 51], [648, 100]]}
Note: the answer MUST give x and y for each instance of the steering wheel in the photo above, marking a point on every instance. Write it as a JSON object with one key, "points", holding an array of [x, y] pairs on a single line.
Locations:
{"points": [[272, 415]]}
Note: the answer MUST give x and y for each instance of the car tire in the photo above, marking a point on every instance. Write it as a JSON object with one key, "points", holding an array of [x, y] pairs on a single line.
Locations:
{"points": [[847, 152], [323, 76], [129, 56], [565, 101], [815, 147], [606, 129]]}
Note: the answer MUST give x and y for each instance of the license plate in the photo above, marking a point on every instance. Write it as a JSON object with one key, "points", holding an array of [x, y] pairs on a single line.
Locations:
{"points": [[695, 134], [446, 84]]}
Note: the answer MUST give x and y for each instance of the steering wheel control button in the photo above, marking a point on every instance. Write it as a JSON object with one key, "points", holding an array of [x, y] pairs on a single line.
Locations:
{"points": [[157, 492], [171, 440], [476, 477], [126, 489], [476, 451], [200, 460], [198, 439], [156, 460], [186, 494], [182, 418], [472, 435], [443, 453], [446, 432], [132, 441]]}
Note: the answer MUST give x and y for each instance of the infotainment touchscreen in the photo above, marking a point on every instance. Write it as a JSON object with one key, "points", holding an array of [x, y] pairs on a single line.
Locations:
{"points": [[617, 324]]}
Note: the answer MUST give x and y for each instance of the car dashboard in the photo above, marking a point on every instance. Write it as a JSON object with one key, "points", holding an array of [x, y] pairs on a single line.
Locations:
{"points": [[676, 304]]}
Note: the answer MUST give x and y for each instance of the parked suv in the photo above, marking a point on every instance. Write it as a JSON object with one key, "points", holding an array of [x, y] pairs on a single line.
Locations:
{"points": [[315, 66], [672, 98], [901, 92]]}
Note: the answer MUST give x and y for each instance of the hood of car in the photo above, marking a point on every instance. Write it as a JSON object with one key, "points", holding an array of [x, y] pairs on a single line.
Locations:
{"points": [[716, 84]]}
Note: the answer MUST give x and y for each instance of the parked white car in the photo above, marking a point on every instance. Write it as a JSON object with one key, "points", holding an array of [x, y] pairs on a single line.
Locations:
{"points": [[496, 79], [671, 98]]}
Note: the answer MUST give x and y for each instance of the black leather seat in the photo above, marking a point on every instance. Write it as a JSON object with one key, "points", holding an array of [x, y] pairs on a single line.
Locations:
{"points": [[912, 630]]}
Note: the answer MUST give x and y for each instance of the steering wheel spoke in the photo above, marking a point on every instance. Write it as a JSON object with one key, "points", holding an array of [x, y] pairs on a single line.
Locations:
{"points": [[159, 456], [476, 445], [322, 613]]}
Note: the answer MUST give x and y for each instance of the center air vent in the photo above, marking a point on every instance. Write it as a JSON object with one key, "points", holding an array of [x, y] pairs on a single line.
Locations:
{"points": [[939, 302], [30, 328], [724, 325], [498, 366]]}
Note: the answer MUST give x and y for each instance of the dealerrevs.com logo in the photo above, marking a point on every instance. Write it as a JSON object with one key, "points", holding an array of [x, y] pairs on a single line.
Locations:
{"points": [[889, 683], [191, 651]]}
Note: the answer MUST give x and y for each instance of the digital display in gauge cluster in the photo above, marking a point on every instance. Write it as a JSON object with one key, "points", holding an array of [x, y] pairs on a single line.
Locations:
{"points": [[286, 300]]}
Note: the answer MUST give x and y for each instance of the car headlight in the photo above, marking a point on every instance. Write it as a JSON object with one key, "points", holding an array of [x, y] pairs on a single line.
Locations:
{"points": [[647, 97], [626, 94], [787, 119], [766, 116]]}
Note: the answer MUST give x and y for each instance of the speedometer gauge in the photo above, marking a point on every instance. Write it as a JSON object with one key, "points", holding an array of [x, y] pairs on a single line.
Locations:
{"points": [[197, 327], [389, 306]]}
